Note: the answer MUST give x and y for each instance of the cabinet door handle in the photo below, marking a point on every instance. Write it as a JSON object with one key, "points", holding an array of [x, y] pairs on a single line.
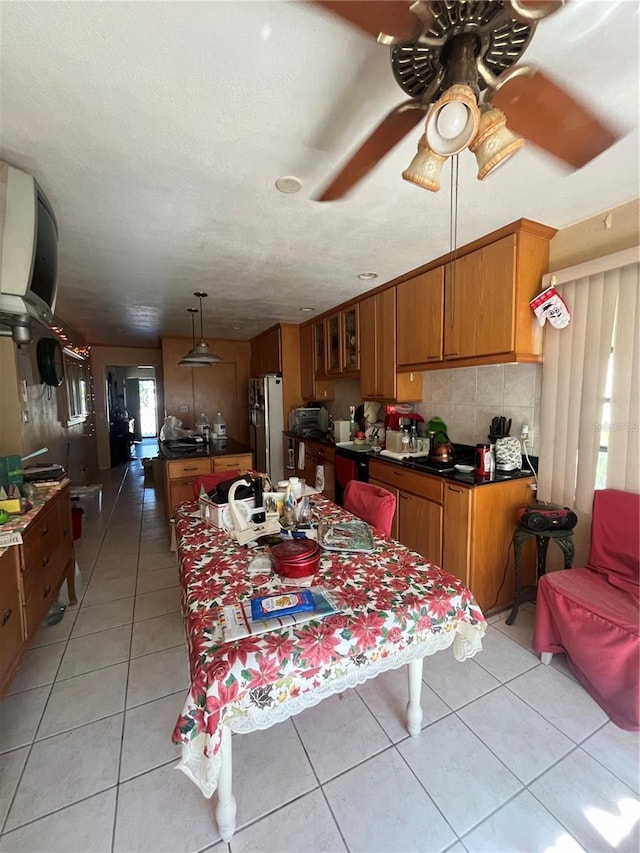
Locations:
{"points": [[45, 560], [432, 357], [404, 497], [447, 354], [190, 469], [6, 616], [457, 491], [45, 530], [46, 592], [397, 473]]}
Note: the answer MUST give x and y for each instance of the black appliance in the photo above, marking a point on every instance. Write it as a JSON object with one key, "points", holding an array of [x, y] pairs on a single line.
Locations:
{"points": [[349, 466], [539, 517]]}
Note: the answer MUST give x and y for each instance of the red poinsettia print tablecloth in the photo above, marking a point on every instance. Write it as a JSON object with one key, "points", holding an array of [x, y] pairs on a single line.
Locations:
{"points": [[395, 608]]}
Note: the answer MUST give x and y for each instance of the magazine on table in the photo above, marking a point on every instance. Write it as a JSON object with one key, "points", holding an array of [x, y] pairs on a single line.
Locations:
{"points": [[236, 620]]}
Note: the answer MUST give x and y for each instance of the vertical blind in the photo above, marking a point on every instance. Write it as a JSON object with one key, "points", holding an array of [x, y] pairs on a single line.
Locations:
{"points": [[603, 300]]}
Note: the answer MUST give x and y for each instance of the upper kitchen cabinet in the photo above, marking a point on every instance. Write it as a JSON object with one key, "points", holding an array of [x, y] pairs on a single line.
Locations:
{"points": [[420, 312], [379, 377], [487, 317], [274, 350], [311, 387], [341, 333]]}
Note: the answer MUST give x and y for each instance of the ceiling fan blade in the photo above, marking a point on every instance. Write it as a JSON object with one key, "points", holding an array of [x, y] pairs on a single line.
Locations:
{"points": [[392, 17], [387, 134], [543, 112]]}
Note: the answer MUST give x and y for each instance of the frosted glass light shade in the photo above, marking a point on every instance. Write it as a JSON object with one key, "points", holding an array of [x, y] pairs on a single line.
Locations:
{"points": [[494, 143], [424, 170], [455, 112]]}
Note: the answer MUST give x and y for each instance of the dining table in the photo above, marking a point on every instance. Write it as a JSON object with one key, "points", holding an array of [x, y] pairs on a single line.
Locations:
{"points": [[394, 608]]}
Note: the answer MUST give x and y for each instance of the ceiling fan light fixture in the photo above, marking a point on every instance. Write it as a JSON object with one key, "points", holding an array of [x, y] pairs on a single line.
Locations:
{"points": [[424, 170], [452, 122], [494, 143]]}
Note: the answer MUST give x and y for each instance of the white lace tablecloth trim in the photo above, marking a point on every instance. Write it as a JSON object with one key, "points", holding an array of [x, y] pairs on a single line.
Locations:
{"points": [[204, 770]]}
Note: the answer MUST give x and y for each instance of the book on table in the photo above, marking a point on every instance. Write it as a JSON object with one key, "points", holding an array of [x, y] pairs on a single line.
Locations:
{"points": [[236, 620]]}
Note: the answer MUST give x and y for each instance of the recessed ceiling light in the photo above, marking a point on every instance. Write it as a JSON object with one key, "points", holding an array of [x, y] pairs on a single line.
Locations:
{"points": [[367, 276], [307, 310], [289, 184]]}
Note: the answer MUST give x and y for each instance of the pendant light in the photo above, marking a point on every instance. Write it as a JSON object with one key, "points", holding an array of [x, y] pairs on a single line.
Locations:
{"points": [[424, 170], [200, 354], [185, 361], [494, 143]]}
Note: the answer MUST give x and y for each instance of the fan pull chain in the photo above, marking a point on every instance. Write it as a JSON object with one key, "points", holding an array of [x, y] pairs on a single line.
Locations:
{"points": [[453, 233]]}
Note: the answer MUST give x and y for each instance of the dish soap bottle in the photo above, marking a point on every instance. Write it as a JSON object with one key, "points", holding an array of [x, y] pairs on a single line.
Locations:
{"points": [[219, 426]]}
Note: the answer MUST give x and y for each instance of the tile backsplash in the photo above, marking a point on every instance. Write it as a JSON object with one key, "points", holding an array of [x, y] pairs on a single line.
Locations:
{"points": [[467, 398]]}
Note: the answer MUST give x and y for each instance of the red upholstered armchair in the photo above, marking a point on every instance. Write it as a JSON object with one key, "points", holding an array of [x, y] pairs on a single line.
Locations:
{"points": [[592, 613], [372, 504]]}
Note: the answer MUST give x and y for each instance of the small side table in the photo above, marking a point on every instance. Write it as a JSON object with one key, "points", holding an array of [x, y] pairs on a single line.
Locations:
{"points": [[562, 538]]}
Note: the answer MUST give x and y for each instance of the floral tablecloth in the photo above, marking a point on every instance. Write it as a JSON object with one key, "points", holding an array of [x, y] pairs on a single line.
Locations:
{"points": [[395, 607]]}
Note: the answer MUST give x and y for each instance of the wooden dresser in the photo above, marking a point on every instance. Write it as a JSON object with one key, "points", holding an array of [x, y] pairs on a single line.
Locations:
{"points": [[31, 575]]}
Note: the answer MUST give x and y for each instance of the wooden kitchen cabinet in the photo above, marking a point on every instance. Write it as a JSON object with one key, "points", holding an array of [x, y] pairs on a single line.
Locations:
{"points": [[379, 377], [311, 387], [266, 355], [420, 313], [35, 570], [487, 316], [316, 454], [417, 521], [420, 526], [465, 530], [342, 342], [181, 474]]}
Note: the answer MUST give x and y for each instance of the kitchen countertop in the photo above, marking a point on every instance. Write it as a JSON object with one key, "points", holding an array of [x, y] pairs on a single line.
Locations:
{"points": [[464, 455], [170, 452]]}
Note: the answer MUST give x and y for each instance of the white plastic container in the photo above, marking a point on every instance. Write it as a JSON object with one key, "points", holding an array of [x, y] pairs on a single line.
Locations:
{"points": [[219, 427]]}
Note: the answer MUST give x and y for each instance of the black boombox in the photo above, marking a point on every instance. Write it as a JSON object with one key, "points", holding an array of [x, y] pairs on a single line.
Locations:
{"points": [[540, 517]]}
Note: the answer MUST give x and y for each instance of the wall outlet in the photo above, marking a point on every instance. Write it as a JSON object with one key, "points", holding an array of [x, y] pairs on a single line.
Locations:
{"points": [[25, 416], [184, 409], [525, 434]]}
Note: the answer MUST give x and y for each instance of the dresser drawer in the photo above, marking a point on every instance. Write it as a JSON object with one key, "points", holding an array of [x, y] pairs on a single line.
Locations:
{"points": [[41, 539], [188, 468]]}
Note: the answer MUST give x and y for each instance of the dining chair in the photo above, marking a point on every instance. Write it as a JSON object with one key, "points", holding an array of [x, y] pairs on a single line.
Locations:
{"points": [[372, 504], [591, 612]]}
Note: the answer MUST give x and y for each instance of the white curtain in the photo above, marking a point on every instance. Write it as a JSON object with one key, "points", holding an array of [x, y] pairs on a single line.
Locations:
{"points": [[604, 303]]}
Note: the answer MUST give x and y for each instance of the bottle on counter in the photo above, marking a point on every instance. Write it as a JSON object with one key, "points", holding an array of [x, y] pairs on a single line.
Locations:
{"points": [[202, 426], [219, 427]]}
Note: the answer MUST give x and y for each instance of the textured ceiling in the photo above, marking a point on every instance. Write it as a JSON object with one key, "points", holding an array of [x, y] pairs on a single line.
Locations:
{"points": [[157, 131]]}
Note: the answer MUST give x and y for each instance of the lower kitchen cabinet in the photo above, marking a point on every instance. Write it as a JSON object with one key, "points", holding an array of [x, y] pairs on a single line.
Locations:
{"points": [[396, 492], [316, 454], [31, 575], [465, 530], [420, 526], [181, 474]]}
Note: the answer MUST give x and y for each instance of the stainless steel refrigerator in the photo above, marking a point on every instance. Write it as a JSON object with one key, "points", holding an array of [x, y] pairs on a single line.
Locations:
{"points": [[266, 423]]}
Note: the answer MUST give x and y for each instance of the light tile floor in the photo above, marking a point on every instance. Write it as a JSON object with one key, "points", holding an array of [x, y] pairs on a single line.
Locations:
{"points": [[513, 755]]}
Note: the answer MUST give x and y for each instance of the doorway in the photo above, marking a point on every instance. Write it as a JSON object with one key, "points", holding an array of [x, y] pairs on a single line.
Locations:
{"points": [[132, 408]]}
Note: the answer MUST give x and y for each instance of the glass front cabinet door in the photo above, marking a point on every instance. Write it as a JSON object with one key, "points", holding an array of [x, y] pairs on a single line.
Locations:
{"points": [[319, 351], [350, 340], [334, 362]]}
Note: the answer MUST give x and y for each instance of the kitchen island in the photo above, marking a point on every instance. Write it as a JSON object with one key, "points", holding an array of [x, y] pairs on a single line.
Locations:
{"points": [[185, 461]]}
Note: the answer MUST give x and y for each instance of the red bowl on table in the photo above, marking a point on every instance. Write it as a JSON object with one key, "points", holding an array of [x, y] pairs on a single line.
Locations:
{"points": [[297, 558]]}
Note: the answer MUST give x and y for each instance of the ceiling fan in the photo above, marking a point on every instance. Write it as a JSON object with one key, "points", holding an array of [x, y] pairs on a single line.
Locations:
{"points": [[457, 61]]}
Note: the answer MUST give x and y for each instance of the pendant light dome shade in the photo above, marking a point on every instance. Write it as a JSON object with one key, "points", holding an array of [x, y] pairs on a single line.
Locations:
{"points": [[424, 170], [452, 121], [199, 355], [494, 143]]}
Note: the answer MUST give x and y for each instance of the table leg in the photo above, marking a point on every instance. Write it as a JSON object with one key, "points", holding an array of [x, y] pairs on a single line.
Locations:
{"points": [[226, 803], [414, 708], [568, 550], [543, 544]]}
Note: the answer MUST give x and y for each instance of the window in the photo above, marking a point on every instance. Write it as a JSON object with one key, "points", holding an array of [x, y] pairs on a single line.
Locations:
{"points": [[75, 389]]}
